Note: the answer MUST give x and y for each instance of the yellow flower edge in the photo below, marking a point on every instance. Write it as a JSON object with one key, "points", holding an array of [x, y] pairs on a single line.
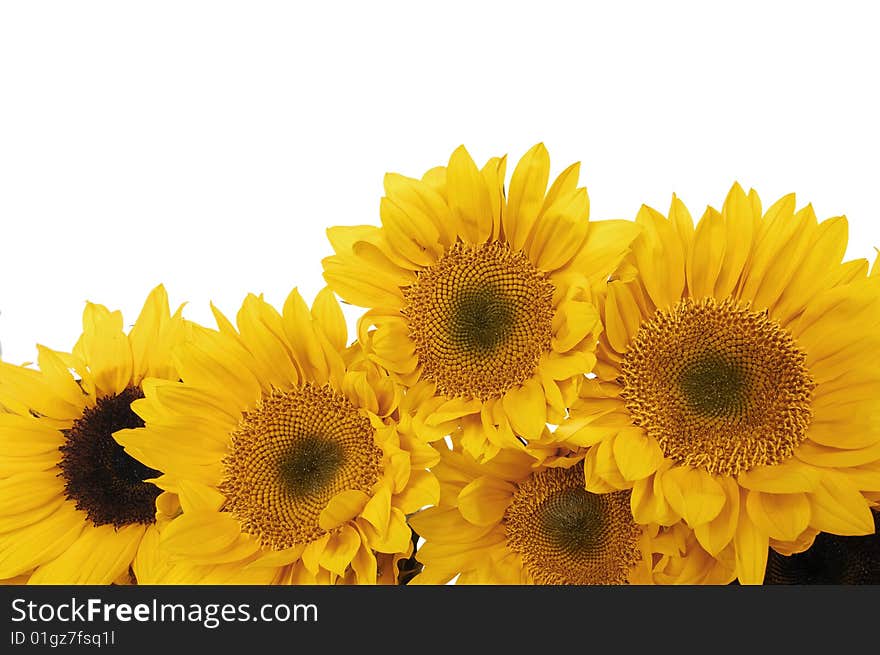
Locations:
{"points": [[280, 444], [479, 295]]}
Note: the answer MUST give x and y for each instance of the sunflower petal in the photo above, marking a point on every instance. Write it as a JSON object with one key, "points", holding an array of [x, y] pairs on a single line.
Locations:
{"points": [[838, 507], [781, 516], [484, 500], [693, 493], [637, 455], [751, 546], [526, 197], [468, 197], [343, 507]]}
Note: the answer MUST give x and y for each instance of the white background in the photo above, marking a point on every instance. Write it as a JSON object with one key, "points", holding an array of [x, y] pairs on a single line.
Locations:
{"points": [[209, 145]]}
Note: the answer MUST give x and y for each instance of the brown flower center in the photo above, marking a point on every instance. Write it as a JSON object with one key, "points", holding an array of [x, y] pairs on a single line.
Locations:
{"points": [[480, 319], [290, 456], [719, 387], [106, 482], [568, 535]]}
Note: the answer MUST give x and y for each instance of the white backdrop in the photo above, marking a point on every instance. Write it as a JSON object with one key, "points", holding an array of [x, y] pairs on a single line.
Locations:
{"points": [[208, 145]]}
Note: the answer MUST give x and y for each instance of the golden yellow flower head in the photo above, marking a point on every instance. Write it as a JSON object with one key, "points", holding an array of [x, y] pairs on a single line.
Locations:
{"points": [[738, 386], [76, 509], [479, 295], [281, 445]]}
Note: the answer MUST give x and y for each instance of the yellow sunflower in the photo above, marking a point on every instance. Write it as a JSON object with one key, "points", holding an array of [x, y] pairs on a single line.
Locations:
{"points": [[479, 297], [282, 449], [509, 521], [74, 507], [738, 381]]}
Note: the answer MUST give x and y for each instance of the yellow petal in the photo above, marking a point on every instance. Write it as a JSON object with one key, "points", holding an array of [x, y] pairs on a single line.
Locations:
{"points": [[715, 535], [594, 480], [147, 330], [24, 549], [301, 334], [29, 490], [363, 290], [468, 197], [328, 315], [791, 476], [484, 500], [693, 493], [622, 316], [260, 327], [526, 197], [106, 349], [196, 496], [740, 220], [751, 546], [493, 174], [205, 365], [17, 520], [707, 255], [606, 465], [416, 197], [817, 455], [200, 532], [790, 252], [637, 455], [561, 231], [343, 507], [275, 558], [423, 489], [398, 535], [378, 510], [648, 504], [526, 408], [98, 557], [364, 565], [340, 550], [411, 235], [573, 322], [681, 219], [838, 507], [781, 516], [59, 378], [607, 243], [777, 227], [29, 388], [660, 258], [824, 256], [311, 555], [452, 409]]}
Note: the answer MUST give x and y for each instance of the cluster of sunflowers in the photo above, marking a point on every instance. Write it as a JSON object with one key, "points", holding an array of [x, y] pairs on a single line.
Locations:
{"points": [[531, 398]]}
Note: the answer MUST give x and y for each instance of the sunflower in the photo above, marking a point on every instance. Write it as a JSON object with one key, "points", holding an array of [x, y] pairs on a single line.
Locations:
{"points": [[510, 521], [282, 448], [480, 299], [74, 507], [738, 385]]}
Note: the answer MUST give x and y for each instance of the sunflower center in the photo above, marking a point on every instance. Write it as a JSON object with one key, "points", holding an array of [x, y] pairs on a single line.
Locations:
{"points": [[106, 482], [290, 455], [480, 318], [567, 535], [310, 464], [712, 385], [718, 386]]}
